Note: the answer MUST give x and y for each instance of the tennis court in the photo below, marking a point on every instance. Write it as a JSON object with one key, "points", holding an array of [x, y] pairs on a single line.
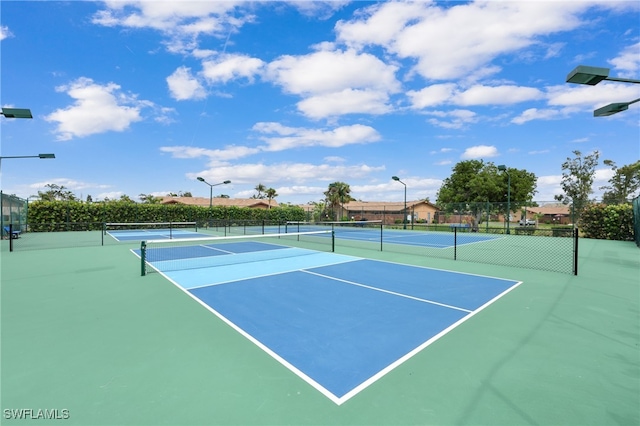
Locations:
{"points": [[351, 336], [338, 322]]}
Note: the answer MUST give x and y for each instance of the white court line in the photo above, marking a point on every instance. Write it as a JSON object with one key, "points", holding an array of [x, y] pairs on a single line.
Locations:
{"points": [[432, 302], [334, 398]]}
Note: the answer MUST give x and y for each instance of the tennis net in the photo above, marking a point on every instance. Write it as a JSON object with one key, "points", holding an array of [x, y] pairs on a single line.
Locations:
{"points": [[337, 227], [149, 227], [194, 253]]}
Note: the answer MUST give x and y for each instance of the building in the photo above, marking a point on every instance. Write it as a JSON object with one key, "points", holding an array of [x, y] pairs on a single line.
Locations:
{"points": [[254, 203], [554, 214], [390, 212]]}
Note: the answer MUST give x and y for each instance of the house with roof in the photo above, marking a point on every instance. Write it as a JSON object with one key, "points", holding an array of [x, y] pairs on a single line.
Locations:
{"points": [[390, 212], [555, 214], [254, 203]]}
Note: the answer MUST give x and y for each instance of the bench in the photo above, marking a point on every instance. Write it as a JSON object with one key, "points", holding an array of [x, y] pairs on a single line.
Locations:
{"points": [[459, 226], [11, 234]]}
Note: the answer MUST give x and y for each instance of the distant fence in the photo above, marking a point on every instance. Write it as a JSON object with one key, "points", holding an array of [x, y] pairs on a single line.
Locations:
{"points": [[550, 249]]}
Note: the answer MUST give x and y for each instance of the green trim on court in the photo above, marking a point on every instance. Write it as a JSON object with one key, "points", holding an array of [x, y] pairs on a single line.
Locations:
{"points": [[83, 332]]}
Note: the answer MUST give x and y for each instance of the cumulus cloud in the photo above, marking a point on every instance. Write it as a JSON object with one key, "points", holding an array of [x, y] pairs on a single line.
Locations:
{"points": [[97, 109], [229, 67], [279, 138], [468, 36], [479, 152], [183, 85]]}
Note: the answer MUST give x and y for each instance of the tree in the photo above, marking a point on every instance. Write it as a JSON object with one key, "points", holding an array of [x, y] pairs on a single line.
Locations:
{"points": [[270, 193], [56, 192], [474, 183], [149, 199], [577, 181], [336, 195], [260, 188], [624, 183]]}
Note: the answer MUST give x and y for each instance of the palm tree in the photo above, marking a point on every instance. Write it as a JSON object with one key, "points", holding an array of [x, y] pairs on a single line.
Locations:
{"points": [[260, 188], [270, 194], [338, 194]]}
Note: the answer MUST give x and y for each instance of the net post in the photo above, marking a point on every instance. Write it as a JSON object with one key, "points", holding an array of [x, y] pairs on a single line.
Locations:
{"points": [[381, 238], [10, 237], [170, 230], [333, 241], [102, 236], [143, 258], [455, 243]]}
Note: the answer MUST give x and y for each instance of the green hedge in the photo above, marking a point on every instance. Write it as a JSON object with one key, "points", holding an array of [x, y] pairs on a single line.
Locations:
{"points": [[614, 222], [41, 214]]}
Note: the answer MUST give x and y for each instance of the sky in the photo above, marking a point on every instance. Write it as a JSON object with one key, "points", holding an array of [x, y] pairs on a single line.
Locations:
{"points": [[142, 97]]}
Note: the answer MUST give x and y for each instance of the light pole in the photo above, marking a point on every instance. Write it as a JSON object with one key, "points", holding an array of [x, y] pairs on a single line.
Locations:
{"points": [[404, 215], [41, 156], [503, 168], [211, 185], [16, 113], [593, 75]]}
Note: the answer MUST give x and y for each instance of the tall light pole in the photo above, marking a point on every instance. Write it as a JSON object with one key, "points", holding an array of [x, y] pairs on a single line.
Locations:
{"points": [[593, 75], [503, 168], [211, 185], [404, 215], [41, 156]]}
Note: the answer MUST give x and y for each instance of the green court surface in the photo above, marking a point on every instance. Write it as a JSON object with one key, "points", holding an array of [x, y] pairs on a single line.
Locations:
{"points": [[88, 340]]}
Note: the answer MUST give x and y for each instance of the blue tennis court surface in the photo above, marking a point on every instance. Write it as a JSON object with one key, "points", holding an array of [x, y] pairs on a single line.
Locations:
{"points": [[338, 322], [153, 234]]}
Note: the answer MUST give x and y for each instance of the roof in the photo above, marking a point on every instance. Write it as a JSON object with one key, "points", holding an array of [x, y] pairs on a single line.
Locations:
{"points": [[549, 209], [385, 205], [219, 201]]}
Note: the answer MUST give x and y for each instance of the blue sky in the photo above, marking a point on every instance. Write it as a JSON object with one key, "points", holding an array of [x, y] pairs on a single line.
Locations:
{"points": [[144, 96]]}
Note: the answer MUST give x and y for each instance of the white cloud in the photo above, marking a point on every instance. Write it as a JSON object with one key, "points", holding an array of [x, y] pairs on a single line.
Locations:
{"points": [[183, 85], [432, 95], [628, 62], [97, 109], [330, 72], [290, 137], [279, 138], [460, 40], [296, 173], [479, 152], [454, 119], [537, 114], [229, 67], [347, 101], [497, 95], [548, 187], [5, 32]]}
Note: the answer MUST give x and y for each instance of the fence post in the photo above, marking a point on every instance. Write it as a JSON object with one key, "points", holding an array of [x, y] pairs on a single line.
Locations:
{"points": [[10, 237], [575, 250]]}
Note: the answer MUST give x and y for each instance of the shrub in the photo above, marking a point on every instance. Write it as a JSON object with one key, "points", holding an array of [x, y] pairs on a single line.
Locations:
{"points": [[613, 222]]}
